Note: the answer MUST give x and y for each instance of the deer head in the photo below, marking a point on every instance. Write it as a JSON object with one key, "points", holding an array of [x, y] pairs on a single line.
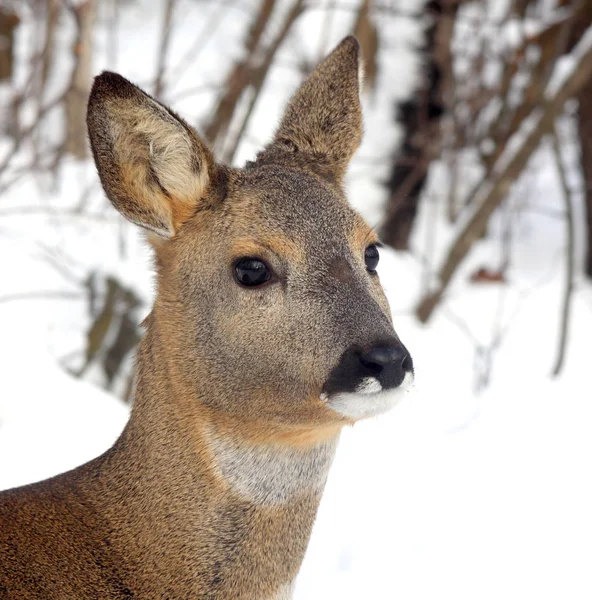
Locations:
{"points": [[269, 304]]}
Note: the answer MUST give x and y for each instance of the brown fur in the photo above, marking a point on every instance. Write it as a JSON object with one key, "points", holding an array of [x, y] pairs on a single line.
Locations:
{"points": [[212, 489]]}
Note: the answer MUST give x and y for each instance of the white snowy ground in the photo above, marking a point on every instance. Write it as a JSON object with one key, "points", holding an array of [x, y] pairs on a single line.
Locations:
{"points": [[452, 495]]}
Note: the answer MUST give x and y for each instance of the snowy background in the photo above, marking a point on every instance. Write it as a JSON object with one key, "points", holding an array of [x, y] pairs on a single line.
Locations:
{"points": [[478, 485]]}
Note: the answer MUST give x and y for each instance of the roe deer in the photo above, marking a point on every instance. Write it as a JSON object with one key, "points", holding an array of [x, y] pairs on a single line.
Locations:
{"points": [[269, 333]]}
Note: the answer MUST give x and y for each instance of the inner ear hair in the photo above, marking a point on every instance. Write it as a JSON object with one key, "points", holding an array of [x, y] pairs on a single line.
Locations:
{"points": [[154, 167]]}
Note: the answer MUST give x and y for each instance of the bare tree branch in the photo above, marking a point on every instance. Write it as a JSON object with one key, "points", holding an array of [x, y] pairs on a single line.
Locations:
{"points": [[79, 88], [508, 173], [260, 74], [41, 295], [569, 255], [163, 51], [240, 76], [201, 39]]}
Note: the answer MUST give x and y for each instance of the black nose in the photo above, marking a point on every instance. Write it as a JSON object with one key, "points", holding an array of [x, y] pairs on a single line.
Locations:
{"points": [[387, 362], [383, 356]]}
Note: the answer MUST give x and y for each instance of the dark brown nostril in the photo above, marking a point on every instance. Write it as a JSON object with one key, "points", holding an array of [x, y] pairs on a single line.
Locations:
{"points": [[382, 356]]}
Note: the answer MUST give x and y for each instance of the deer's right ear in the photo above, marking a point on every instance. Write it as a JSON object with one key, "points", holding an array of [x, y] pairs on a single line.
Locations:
{"points": [[153, 166]]}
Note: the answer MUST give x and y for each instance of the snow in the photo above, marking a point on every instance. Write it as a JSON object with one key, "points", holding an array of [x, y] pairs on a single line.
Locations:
{"points": [[465, 490], [49, 422], [464, 496]]}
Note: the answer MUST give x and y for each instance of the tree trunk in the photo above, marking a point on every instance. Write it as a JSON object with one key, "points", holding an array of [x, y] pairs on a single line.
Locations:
{"points": [[585, 134], [367, 34], [8, 23], [77, 95], [421, 118], [52, 8]]}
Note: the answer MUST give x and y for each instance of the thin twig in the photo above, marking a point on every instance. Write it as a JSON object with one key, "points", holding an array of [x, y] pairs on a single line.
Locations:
{"points": [[41, 295], [201, 40], [24, 133], [240, 76], [164, 47], [259, 75], [569, 254], [42, 211]]}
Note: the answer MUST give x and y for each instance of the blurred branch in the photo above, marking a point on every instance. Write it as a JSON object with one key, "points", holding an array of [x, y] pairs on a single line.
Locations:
{"points": [[41, 295], [240, 76], [25, 133], [57, 260], [113, 331], [326, 27], [584, 126], [46, 58], [382, 7], [551, 42], [365, 30], [165, 39], [259, 75], [421, 120], [9, 21], [77, 94], [569, 254], [43, 211], [509, 171], [52, 8], [201, 40], [198, 89]]}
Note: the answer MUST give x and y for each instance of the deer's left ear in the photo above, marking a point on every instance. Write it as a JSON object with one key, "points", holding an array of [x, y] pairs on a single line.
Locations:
{"points": [[324, 117]]}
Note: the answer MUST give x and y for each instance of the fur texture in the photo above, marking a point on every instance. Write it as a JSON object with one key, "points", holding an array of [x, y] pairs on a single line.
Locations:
{"points": [[212, 489]]}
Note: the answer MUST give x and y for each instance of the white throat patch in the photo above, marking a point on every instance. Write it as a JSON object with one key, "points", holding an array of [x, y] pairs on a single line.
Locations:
{"points": [[271, 474]]}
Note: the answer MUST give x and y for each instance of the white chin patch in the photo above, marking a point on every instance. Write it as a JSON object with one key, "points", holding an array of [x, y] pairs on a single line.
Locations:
{"points": [[369, 399]]}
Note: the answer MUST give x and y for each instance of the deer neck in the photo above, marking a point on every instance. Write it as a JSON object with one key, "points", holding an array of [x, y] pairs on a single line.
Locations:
{"points": [[206, 512]]}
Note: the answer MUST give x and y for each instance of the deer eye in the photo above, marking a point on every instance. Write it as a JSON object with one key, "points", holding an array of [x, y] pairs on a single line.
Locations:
{"points": [[251, 272], [371, 257]]}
